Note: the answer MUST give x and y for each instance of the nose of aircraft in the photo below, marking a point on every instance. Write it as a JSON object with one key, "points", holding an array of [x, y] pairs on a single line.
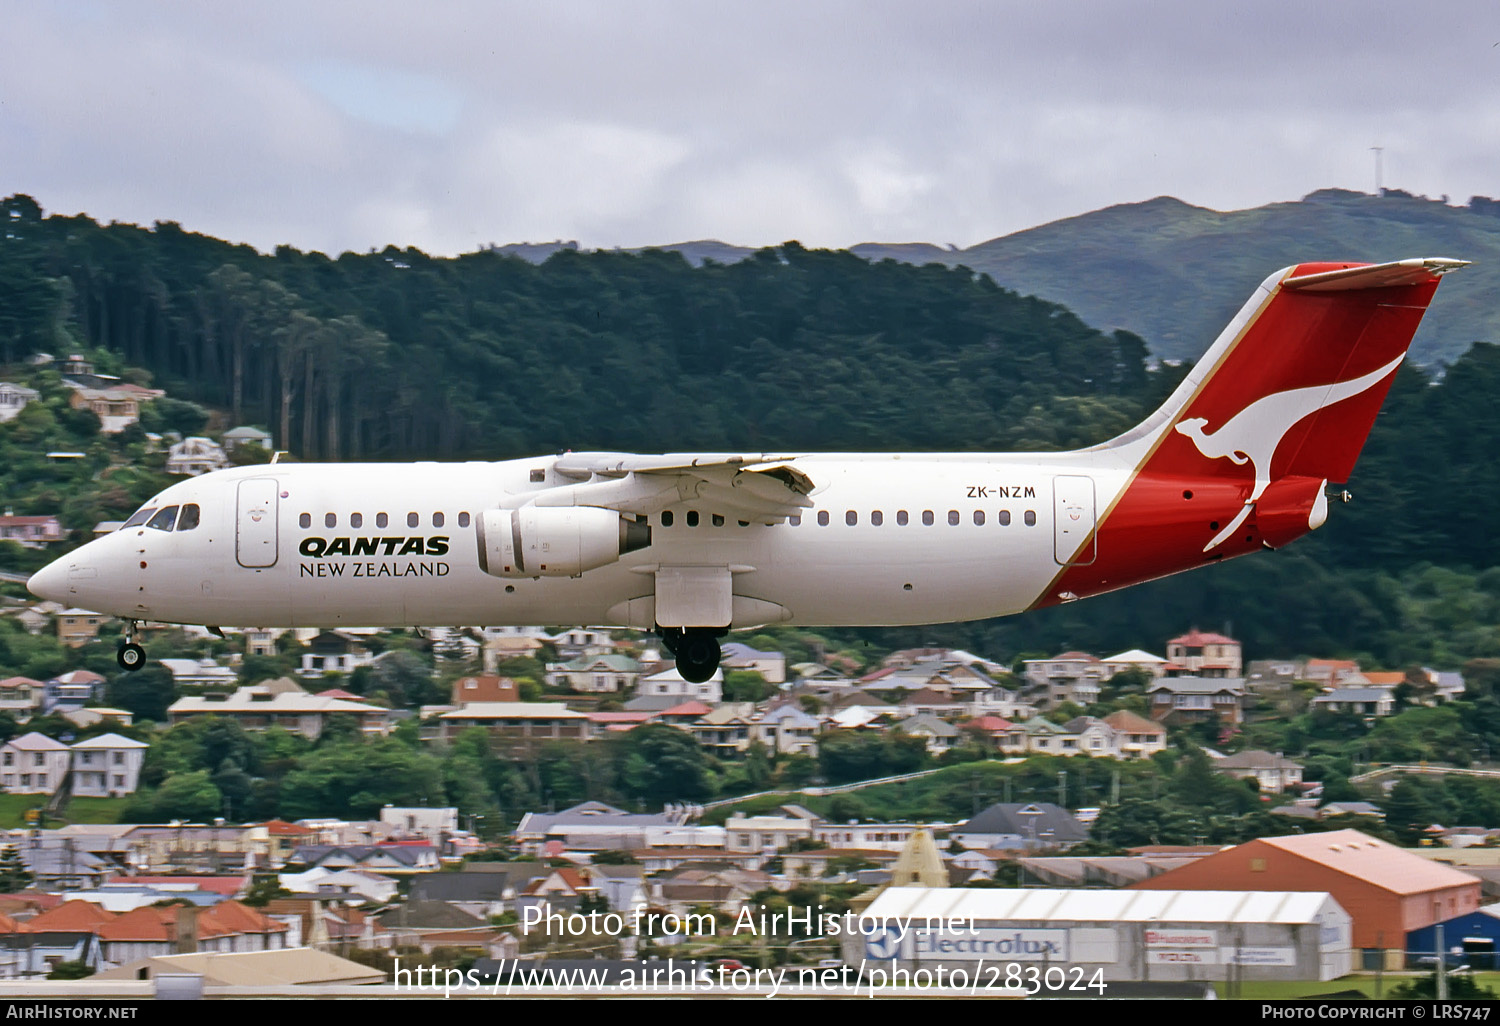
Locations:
{"points": [[51, 581]]}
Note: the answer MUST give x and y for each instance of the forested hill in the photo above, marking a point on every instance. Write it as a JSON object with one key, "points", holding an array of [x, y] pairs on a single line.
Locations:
{"points": [[401, 355], [1175, 274], [398, 355]]}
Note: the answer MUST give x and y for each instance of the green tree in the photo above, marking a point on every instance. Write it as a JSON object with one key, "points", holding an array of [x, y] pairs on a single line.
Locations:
{"points": [[14, 876]]}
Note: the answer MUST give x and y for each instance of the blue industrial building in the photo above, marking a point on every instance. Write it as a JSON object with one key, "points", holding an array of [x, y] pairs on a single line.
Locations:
{"points": [[1474, 938]]}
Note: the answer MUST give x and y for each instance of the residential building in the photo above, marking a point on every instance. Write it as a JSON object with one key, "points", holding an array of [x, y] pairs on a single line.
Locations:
{"points": [[939, 736], [670, 684], [116, 407], [246, 435], [595, 674], [1272, 771], [487, 687], [21, 697], [1204, 654], [77, 627], [787, 729], [1363, 701], [33, 764], [516, 726], [194, 456], [583, 641], [382, 859], [1332, 672], [34, 532], [1026, 825], [107, 766], [334, 652], [736, 655], [1070, 677], [13, 399], [1094, 737], [1139, 738], [200, 673], [257, 707], [1136, 659], [1191, 699], [769, 832]]}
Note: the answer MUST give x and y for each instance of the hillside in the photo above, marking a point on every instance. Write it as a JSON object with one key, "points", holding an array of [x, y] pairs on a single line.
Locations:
{"points": [[1175, 274]]}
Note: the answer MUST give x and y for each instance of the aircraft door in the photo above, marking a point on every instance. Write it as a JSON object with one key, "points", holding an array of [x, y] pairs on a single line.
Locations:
{"points": [[255, 523], [1073, 516]]}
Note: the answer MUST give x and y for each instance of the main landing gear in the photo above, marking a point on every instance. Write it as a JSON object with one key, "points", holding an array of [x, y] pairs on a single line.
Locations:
{"points": [[131, 656], [696, 650]]}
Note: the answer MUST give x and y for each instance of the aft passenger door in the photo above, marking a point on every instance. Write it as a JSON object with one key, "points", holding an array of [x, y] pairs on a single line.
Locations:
{"points": [[1073, 520], [255, 523]]}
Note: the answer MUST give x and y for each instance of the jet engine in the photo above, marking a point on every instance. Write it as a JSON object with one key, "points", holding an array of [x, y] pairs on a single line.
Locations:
{"points": [[555, 541]]}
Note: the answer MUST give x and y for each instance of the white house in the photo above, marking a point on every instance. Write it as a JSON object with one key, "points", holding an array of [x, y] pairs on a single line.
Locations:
{"points": [[199, 673], [33, 764], [13, 399], [669, 684], [107, 766], [196, 455]]}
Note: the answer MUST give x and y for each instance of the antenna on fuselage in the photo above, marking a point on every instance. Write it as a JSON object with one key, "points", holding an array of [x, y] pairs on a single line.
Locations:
{"points": [[276, 456]]}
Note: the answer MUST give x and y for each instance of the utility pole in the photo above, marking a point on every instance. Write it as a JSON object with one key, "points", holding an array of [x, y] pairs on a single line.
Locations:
{"points": [[1062, 788], [1378, 150]]}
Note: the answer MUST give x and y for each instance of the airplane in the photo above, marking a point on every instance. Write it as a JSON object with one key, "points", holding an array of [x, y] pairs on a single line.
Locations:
{"points": [[1243, 456]]}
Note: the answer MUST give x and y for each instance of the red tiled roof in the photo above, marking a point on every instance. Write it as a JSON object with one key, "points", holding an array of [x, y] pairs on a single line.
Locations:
{"points": [[9, 925], [1197, 637], [687, 709], [241, 918], [621, 717], [74, 916], [990, 723], [1076, 656], [281, 828]]}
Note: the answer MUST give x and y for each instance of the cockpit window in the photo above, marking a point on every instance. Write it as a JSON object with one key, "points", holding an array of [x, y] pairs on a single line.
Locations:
{"points": [[164, 519], [140, 517], [189, 518]]}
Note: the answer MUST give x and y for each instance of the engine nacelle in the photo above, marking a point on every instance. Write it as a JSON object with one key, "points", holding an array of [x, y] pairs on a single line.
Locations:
{"points": [[555, 541]]}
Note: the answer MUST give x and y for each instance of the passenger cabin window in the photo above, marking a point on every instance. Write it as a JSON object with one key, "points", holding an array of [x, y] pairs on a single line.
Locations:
{"points": [[794, 521], [330, 520], [822, 518], [305, 520], [381, 520], [412, 520], [463, 520], [189, 518], [927, 517], [1031, 518], [356, 520], [140, 517], [953, 518], [666, 518], [718, 519], [877, 518], [438, 520], [979, 518], [164, 519], [901, 517], [1004, 517], [692, 518], [851, 518]]}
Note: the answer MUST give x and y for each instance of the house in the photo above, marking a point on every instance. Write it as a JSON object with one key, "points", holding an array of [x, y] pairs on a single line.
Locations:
{"points": [[1028, 825], [1136, 659], [258, 707], [787, 729], [595, 826], [1204, 654], [13, 399], [334, 652], [1363, 701], [199, 673], [769, 832], [234, 438], [1331, 672], [33, 532], [516, 727], [500, 648], [728, 729], [1094, 737], [736, 655], [938, 735], [1069, 677], [1272, 771], [595, 674], [33, 764], [117, 407], [1139, 738], [77, 627], [1181, 699], [669, 683], [96, 714], [487, 687], [21, 697], [381, 859], [107, 766], [351, 885], [194, 456]]}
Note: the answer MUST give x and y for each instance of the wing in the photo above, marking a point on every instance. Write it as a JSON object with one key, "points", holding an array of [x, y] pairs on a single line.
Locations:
{"points": [[747, 486]]}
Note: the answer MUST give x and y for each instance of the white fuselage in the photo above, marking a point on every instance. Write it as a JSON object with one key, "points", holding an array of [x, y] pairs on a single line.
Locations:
{"points": [[799, 571]]}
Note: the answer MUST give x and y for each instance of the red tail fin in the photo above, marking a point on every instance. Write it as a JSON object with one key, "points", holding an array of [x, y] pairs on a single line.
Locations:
{"points": [[1239, 457]]}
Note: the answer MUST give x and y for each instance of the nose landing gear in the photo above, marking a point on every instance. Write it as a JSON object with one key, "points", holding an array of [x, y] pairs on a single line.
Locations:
{"points": [[131, 656]]}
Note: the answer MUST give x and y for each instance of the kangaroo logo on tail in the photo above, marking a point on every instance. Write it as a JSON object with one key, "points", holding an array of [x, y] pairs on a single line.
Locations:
{"points": [[1254, 434]]}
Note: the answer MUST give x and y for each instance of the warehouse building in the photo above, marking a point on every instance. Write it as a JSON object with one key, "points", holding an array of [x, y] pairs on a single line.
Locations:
{"points": [[1388, 891], [1083, 935]]}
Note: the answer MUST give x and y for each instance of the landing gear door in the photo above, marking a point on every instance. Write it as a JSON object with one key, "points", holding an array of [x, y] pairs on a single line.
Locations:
{"points": [[255, 523], [1073, 515]]}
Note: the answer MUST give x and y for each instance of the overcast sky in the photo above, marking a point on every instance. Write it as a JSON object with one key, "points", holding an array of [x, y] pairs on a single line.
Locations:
{"points": [[339, 126]]}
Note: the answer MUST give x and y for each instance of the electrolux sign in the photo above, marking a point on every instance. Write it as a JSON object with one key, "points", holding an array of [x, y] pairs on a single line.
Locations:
{"points": [[1017, 945]]}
